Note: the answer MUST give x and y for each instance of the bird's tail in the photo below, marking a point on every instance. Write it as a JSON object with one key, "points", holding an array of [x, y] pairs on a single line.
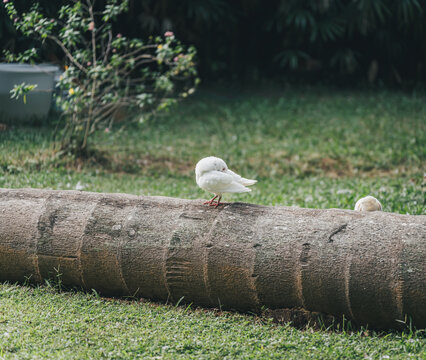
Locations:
{"points": [[248, 182], [239, 179]]}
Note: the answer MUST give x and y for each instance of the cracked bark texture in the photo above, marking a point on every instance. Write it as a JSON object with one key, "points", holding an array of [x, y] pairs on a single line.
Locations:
{"points": [[367, 266]]}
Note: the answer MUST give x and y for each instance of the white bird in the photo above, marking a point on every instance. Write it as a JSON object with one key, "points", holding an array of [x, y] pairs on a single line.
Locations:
{"points": [[212, 174], [368, 203]]}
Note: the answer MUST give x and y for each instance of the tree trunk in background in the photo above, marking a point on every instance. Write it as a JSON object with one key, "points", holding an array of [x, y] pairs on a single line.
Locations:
{"points": [[368, 266]]}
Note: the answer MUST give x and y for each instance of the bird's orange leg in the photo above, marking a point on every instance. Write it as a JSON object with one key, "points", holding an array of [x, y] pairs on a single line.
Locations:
{"points": [[211, 201]]}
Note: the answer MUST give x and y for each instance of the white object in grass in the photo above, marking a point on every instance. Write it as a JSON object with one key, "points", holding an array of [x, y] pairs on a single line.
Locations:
{"points": [[368, 203], [212, 174]]}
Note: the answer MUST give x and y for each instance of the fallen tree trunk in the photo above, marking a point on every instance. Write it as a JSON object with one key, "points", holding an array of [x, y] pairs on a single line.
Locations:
{"points": [[369, 267]]}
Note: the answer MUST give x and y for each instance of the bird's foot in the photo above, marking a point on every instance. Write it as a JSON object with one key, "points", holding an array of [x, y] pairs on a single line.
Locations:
{"points": [[212, 201], [218, 202]]}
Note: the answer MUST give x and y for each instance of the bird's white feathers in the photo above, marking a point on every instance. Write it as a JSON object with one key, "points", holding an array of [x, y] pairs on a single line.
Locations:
{"points": [[237, 178], [212, 174], [368, 203]]}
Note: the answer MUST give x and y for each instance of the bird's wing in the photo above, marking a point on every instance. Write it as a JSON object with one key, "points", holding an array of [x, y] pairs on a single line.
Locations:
{"points": [[218, 182], [239, 179]]}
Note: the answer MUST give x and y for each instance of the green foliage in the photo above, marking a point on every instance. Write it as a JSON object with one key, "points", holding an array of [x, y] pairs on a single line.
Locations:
{"points": [[331, 32], [344, 41], [106, 72], [21, 90], [27, 56], [380, 41]]}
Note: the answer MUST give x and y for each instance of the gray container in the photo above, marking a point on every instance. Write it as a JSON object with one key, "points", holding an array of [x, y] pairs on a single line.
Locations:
{"points": [[38, 101]]}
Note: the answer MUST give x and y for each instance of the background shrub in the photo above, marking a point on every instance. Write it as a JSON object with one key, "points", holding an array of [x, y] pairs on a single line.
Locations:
{"points": [[338, 41]]}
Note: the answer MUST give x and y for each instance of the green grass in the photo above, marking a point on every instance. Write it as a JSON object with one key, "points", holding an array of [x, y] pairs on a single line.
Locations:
{"points": [[306, 148], [44, 323]]}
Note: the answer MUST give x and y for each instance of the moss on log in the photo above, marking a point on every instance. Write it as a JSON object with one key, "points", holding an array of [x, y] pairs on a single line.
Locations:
{"points": [[369, 267]]}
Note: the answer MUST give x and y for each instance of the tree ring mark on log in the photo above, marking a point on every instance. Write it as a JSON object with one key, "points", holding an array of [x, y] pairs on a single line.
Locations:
{"points": [[209, 242], [185, 216], [303, 260], [81, 242], [347, 278], [40, 230], [304, 254], [177, 271], [335, 232]]}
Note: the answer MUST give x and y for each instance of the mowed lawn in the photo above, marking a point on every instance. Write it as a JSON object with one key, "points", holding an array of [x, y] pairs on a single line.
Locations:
{"points": [[307, 148]]}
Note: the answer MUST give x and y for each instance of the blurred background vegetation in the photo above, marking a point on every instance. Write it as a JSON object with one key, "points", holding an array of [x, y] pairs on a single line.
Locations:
{"points": [[339, 42]]}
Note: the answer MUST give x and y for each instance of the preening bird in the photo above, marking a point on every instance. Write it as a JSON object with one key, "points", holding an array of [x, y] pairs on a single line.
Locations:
{"points": [[368, 203], [212, 174]]}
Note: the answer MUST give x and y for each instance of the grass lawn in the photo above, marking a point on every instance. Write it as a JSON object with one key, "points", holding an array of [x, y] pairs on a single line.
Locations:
{"points": [[307, 148]]}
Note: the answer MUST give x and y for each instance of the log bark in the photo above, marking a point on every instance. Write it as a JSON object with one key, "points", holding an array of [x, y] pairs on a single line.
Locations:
{"points": [[369, 267]]}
